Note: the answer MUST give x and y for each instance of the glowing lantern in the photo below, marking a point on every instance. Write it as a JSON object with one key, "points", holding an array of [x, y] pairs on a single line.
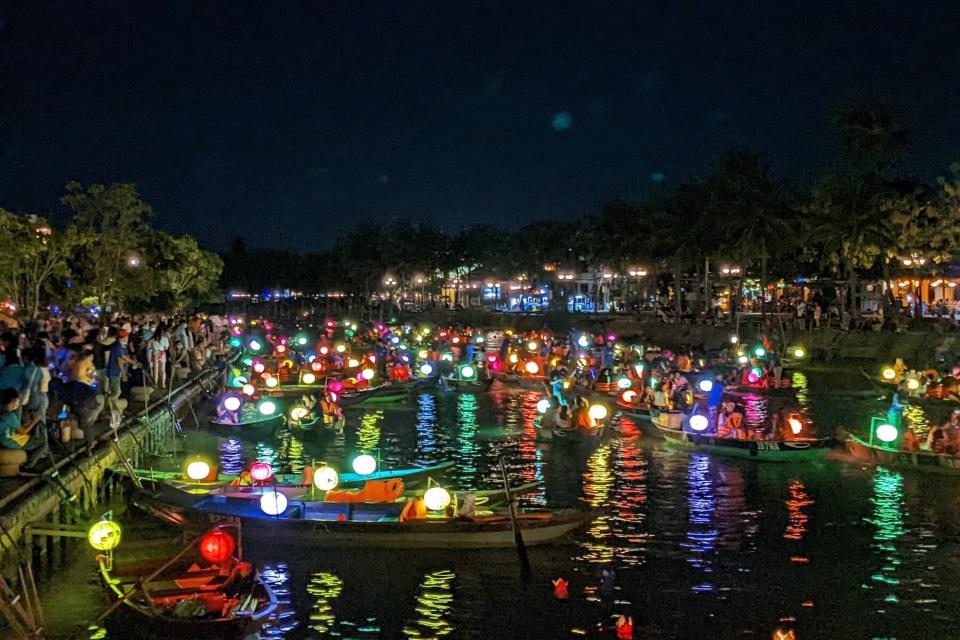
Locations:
{"points": [[514, 358], [796, 426], [273, 503], [198, 470], [364, 464], [336, 386], [598, 412], [254, 345], [913, 384], [628, 396], [217, 546], [258, 367], [734, 339], [341, 348], [324, 350], [232, 403], [743, 359], [754, 376], [887, 433], [353, 363], [367, 374], [325, 478], [426, 369], [799, 353], [889, 374], [299, 413], [272, 382], [104, 535], [467, 372], [302, 341], [583, 341], [309, 378], [532, 346], [317, 366], [705, 385], [638, 368], [456, 339], [261, 471], [543, 405], [281, 348], [446, 356], [267, 407], [436, 499], [760, 352], [423, 354], [248, 389], [624, 383], [532, 368], [698, 422]]}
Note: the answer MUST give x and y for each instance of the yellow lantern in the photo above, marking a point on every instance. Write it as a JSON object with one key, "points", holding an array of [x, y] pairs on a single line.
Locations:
{"points": [[436, 499], [309, 378], [325, 478], [598, 412], [104, 535], [198, 470]]}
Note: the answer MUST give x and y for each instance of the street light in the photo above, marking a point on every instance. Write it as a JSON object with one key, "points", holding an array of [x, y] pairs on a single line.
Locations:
{"points": [[133, 261]]}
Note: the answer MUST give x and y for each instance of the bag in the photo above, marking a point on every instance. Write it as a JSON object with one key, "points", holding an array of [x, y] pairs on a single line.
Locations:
{"points": [[21, 439]]}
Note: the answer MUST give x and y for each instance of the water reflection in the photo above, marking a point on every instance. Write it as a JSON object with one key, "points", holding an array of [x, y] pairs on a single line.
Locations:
{"points": [[434, 607], [290, 452], [284, 619], [797, 524], [368, 433], [702, 534], [467, 449], [597, 484], [801, 387], [231, 456], [426, 429], [324, 588], [888, 519]]}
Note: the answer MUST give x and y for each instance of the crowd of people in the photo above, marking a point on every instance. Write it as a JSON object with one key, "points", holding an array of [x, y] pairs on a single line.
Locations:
{"points": [[58, 374]]}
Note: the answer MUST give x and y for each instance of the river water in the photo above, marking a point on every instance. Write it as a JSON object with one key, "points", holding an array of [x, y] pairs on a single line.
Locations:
{"points": [[689, 545]]}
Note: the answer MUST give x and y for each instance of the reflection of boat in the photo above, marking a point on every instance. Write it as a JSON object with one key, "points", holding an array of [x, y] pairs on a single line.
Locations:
{"points": [[457, 384], [762, 450], [288, 483], [525, 380], [381, 527], [920, 460], [186, 599]]}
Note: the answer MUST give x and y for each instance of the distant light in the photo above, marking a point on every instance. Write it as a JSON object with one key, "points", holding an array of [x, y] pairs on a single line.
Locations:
{"points": [[760, 352], [532, 346], [583, 341], [426, 369], [889, 373], [795, 425], [353, 363], [367, 374], [799, 353], [272, 382], [913, 384], [248, 389], [706, 386], [624, 383], [562, 120], [309, 378]]}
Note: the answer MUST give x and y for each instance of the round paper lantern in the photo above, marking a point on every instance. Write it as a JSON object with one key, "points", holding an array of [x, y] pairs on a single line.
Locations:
{"points": [[353, 363], [325, 478], [799, 353], [336, 386], [698, 422], [231, 403], [364, 464], [624, 383], [743, 359], [705, 385], [532, 346], [273, 503], [298, 413], [889, 373], [258, 367], [104, 535], [796, 426], [341, 348], [913, 384], [368, 374], [583, 341], [267, 407], [248, 389], [198, 470], [217, 546], [532, 368], [467, 371], [272, 382], [436, 499], [254, 345], [261, 471], [598, 412], [426, 369], [543, 405], [514, 358], [760, 352], [887, 433], [309, 378], [628, 396]]}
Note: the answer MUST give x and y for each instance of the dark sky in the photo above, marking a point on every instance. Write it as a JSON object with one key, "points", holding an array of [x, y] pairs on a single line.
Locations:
{"points": [[288, 121]]}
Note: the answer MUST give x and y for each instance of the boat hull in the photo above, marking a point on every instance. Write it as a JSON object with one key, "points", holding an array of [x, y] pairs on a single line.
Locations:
{"points": [[761, 450], [919, 460]]}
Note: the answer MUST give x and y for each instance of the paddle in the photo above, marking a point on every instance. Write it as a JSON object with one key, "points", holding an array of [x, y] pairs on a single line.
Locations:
{"points": [[517, 537]]}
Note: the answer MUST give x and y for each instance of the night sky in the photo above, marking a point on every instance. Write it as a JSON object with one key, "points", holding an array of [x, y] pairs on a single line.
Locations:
{"points": [[287, 121]]}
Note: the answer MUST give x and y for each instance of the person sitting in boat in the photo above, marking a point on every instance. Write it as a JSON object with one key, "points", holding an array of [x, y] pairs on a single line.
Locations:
{"points": [[647, 397], [582, 416], [308, 402], [730, 422], [684, 363], [331, 410], [909, 441], [562, 418]]}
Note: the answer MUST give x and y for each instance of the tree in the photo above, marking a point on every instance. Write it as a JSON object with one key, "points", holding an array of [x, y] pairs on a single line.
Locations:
{"points": [[31, 256], [113, 218]]}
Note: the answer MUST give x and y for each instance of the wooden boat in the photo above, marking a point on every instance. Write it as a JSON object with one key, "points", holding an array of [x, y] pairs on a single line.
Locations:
{"points": [[261, 424], [381, 528], [223, 602], [919, 460], [763, 450]]}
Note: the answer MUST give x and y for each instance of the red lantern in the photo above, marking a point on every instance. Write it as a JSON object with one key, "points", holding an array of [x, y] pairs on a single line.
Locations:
{"points": [[261, 471], [217, 546]]}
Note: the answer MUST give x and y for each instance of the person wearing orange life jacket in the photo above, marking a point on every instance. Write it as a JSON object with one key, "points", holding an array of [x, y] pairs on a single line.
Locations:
{"points": [[331, 410], [730, 422], [583, 418]]}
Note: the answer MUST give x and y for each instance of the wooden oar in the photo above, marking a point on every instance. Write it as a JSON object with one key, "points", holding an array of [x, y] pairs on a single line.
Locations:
{"points": [[517, 536]]}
